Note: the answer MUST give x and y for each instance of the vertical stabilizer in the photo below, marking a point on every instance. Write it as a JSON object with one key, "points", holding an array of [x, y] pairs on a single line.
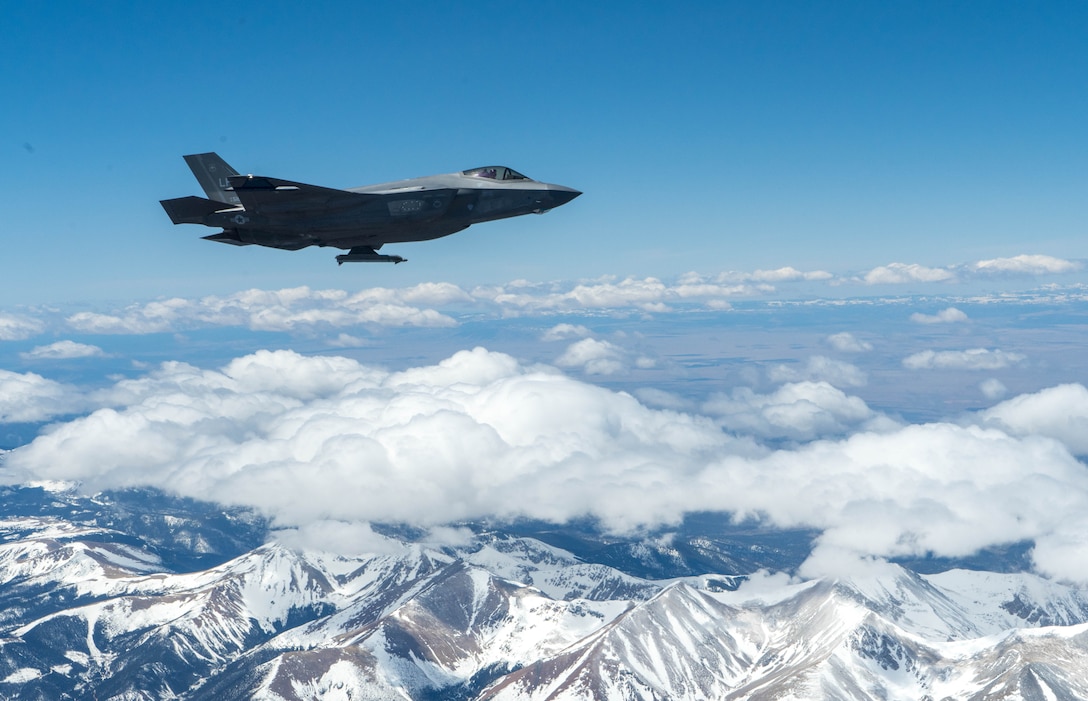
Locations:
{"points": [[212, 172]]}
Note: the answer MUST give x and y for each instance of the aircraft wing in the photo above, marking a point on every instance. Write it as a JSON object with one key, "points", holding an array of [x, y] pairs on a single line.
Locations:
{"points": [[259, 193]]}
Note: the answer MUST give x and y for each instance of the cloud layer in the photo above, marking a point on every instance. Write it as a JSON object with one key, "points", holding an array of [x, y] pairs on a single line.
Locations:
{"points": [[312, 439], [971, 359], [16, 327], [294, 309], [1059, 412], [945, 316], [303, 310], [901, 273], [1025, 265], [29, 397], [846, 342], [62, 350]]}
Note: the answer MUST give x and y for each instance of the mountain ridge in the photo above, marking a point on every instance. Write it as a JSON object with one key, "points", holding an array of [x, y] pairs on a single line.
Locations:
{"points": [[488, 614]]}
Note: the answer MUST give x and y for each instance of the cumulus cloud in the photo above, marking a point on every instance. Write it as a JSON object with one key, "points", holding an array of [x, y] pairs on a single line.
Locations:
{"points": [[30, 397], [789, 274], [993, 388], [309, 311], [154, 317], [660, 399], [646, 294], [430, 293], [945, 316], [972, 359], [293, 309], [323, 444], [62, 350], [832, 561], [1059, 412], [901, 273], [820, 369], [846, 342], [345, 340], [1027, 265], [1062, 555], [933, 488], [347, 538], [594, 357], [778, 275], [562, 332], [799, 411], [317, 439], [15, 327]]}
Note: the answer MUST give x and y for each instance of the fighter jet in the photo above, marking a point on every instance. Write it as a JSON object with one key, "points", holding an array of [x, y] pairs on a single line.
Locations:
{"points": [[254, 209]]}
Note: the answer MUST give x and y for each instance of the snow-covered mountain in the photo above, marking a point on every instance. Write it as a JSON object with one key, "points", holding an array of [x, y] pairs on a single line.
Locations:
{"points": [[138, 596]]}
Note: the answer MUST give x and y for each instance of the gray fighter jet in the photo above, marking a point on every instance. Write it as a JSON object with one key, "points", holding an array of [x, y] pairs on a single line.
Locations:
{"points": [[253, 209]]}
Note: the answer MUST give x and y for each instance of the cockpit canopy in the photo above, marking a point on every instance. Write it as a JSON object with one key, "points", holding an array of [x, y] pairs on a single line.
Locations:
{"points": [[495, 173]]}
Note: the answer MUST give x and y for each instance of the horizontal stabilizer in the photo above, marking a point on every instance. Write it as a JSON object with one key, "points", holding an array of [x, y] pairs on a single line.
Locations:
{"points": [[192, 209]]}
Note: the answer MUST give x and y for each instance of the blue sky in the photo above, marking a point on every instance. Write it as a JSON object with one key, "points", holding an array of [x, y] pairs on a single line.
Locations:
{"points": [[706, 136], [829, 269]]}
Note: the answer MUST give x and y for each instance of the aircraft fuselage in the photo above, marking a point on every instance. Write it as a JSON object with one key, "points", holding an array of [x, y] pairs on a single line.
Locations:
{"points": [[256, 210]]}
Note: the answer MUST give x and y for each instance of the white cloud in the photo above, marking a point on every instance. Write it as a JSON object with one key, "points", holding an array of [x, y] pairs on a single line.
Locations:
{"points": [[1027, 265], [14, 327], [993, 388], [846, 342], [901, 273], [647, 294], [1058, 412], [345, 340], [931, 488], [800, 411], [1062, 555], [593, 357], [346, 538], [562, 332], [833, 561], [62, 350], [785, 274], [449, 536], [321, 444], [660, 399], [631, 292], [303, 310], [31, 397], [789, 274], [945, 316], [316, 439], [154, 317], [971, 359], [293, 309], [820, 369], [432, 293], [694, 286]]}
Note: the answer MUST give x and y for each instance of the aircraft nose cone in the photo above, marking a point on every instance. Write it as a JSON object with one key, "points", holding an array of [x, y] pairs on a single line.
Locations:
{"points": [[562, 195]]}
